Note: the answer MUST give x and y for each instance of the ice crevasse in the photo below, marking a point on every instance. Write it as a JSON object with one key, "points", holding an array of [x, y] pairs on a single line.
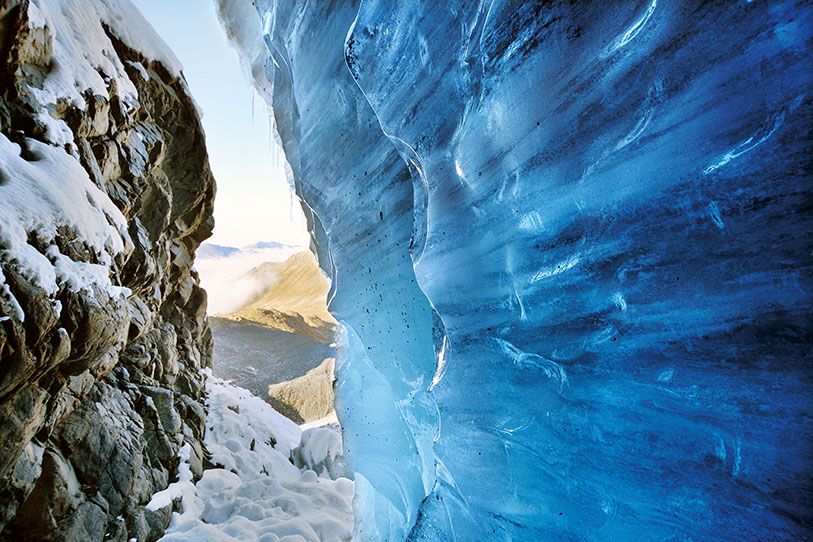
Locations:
{"points": [[570, 243]]}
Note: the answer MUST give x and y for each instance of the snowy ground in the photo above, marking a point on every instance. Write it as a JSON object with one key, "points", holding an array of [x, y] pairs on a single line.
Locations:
{"points": [[277, 483]]}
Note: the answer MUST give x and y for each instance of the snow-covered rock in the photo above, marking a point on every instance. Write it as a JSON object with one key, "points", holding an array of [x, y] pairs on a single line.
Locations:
{"points": [[105, 193]]}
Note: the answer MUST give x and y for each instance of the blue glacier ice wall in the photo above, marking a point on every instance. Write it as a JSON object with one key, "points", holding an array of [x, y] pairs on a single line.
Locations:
{"points": [[572, 248]]}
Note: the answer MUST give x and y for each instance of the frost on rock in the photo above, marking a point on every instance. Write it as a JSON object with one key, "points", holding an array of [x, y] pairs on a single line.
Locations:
{"points": [[571, 247], [254, 491]]}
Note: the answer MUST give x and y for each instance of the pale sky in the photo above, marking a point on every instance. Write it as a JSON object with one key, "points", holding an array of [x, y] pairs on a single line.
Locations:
{"points": [[253, 199]]}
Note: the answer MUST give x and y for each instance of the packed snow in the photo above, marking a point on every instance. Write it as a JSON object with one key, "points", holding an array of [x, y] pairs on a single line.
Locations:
{"points": [[44, 190], [256, 493]]}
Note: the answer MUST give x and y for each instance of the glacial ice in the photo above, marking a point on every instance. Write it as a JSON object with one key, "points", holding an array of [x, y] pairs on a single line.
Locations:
{"points": [[571, 246]]}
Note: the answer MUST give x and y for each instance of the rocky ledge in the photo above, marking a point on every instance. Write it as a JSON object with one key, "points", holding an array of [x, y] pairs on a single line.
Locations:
{"points": [[105, 193]]}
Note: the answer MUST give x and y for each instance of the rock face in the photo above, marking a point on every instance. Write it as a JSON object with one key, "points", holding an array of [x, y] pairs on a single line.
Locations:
{"points": [[106, 194], [308, 397], [272, 363]]}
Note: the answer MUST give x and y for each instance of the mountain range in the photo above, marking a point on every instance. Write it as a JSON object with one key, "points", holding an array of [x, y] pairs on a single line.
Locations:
{"points": [[279, 343]]}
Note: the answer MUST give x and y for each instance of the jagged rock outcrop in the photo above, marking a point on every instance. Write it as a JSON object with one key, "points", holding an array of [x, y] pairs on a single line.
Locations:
{"points": [[105, 193]]}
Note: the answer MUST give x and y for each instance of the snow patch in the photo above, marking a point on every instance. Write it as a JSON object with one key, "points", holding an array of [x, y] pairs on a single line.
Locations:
{"points": [[183, 488], [256, 493], [42, 198], [84, 58], [330, 419]]}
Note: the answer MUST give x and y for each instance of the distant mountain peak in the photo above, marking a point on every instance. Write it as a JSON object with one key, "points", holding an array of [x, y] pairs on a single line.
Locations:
{"points": [[264, 245], [211, 250]]}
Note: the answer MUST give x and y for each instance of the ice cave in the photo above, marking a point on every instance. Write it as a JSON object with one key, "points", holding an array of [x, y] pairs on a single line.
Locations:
{"points": [[568, 248]]}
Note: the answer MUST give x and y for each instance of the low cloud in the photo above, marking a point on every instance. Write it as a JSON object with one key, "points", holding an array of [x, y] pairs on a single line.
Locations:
{"points": [[226, 281]]}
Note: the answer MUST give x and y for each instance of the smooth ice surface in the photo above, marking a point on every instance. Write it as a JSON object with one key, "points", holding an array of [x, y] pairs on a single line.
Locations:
{"points": [[571, 246]]}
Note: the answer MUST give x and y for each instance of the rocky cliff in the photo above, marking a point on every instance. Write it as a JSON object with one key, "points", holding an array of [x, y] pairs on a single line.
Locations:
{"points": [[105, 193]]}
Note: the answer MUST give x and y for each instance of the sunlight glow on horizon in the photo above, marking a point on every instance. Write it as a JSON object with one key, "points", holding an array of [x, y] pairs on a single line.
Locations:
{"points": [[253, 200]]}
